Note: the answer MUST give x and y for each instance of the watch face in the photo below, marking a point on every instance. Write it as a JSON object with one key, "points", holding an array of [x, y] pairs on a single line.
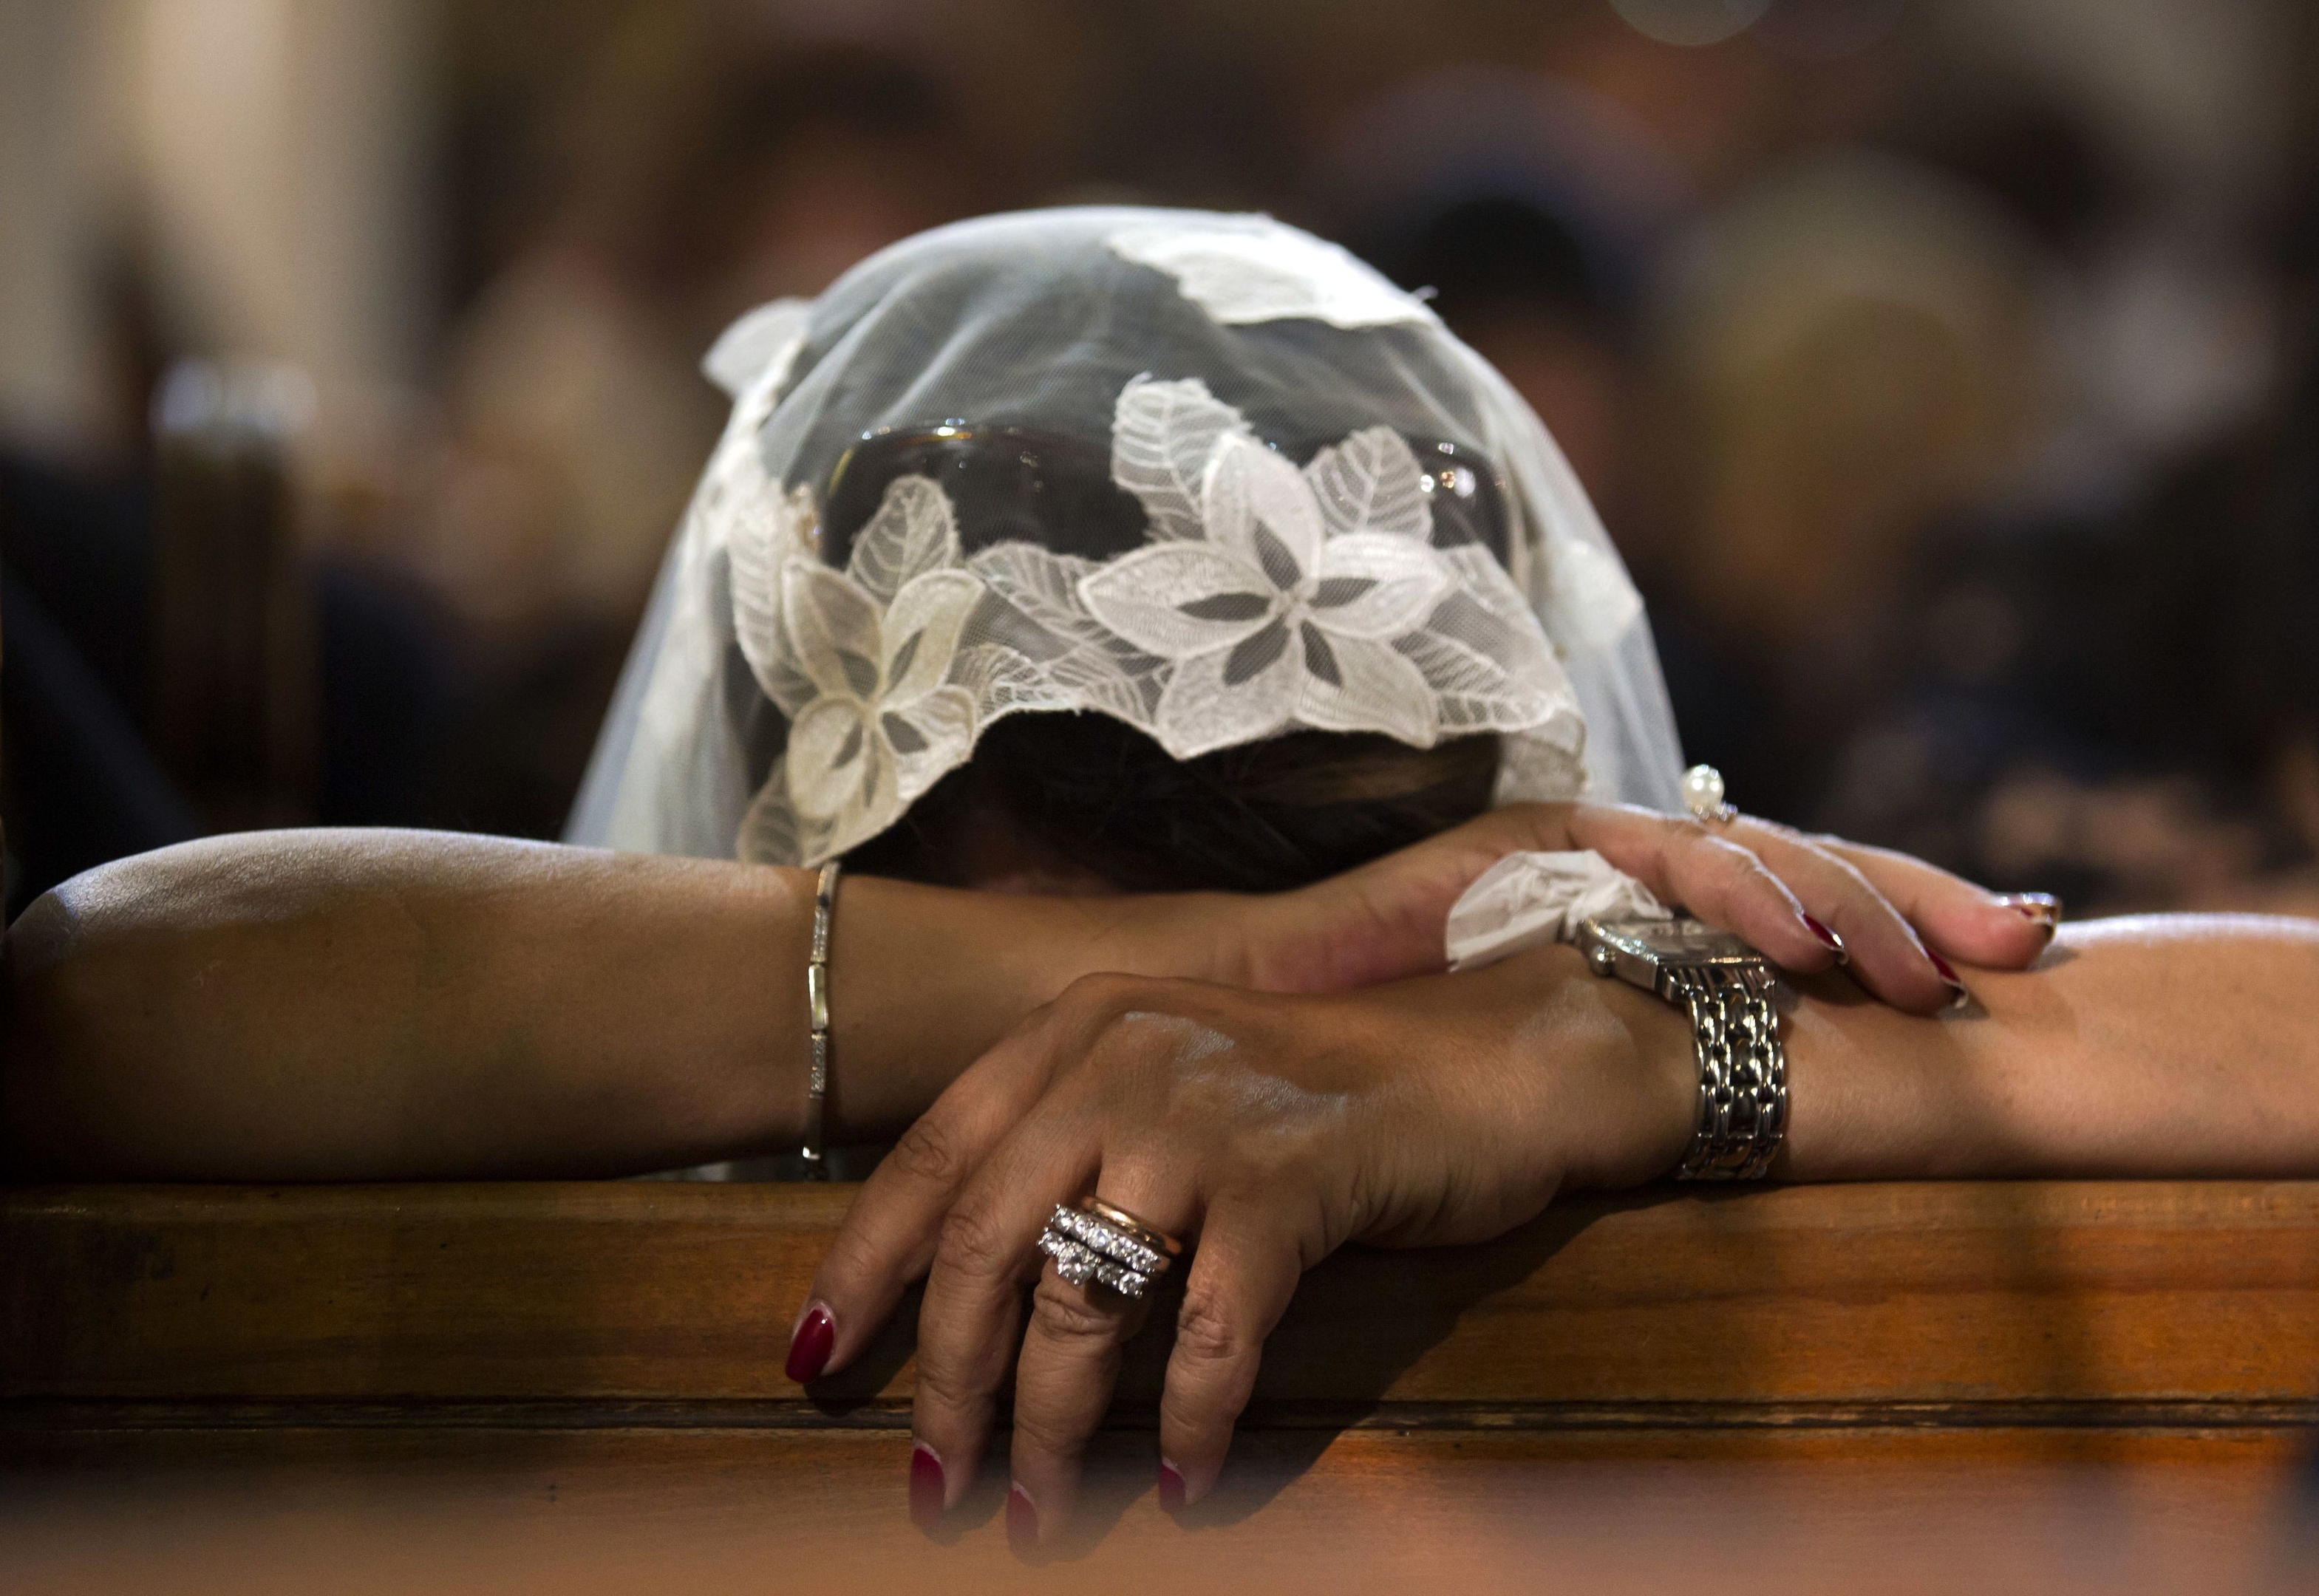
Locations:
{"points": [[1687, 941], [1679, 941]]}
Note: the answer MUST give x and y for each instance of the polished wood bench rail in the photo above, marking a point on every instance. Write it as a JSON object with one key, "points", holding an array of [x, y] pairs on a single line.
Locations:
{"points": [[2055, 1319]]}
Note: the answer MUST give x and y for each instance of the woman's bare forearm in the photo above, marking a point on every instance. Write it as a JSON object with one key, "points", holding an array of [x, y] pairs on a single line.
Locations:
{"points": [[384, 1005], [2166, 1045], [397, 1005]]}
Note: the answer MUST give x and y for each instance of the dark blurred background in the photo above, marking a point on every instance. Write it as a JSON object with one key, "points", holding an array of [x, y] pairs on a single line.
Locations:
{"points": [[1945, 368]]}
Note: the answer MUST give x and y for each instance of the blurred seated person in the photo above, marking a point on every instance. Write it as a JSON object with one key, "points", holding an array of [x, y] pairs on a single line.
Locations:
{"points": [[1851, 346], [77, 775], [575, 413], [2123, 704], [88, 776], [1533, 213], [1171, 626], [574, 416]]}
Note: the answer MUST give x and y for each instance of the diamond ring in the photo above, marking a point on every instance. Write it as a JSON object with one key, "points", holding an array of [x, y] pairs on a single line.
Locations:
{"points": [[1106, 1244]]}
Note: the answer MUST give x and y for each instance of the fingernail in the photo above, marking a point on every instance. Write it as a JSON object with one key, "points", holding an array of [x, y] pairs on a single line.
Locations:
{"points": [[809, 1346], [1171, 1488], [926, 1490], [2043, 908], [1828, 938], [1022, 1522], [1947, 974]]}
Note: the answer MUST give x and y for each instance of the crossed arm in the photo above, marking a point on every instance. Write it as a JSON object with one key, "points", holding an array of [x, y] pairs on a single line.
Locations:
{"points": [[1447, 1109], [1274, 1077], [380, 1004]]}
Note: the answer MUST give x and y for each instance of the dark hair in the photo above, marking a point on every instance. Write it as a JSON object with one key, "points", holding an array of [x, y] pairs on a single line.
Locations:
{"points": [[1093, 792]]}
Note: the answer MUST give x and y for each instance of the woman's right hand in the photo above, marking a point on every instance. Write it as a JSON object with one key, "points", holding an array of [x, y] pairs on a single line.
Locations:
{"points": [[1266, 1131], [1899, 921]]}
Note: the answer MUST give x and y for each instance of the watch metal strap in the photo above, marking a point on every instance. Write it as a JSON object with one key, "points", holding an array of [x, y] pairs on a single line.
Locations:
{"points": [[1743, 1071]]}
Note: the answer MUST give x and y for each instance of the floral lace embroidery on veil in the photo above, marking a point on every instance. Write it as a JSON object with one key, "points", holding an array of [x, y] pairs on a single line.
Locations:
{"points": [[1269, 598]]}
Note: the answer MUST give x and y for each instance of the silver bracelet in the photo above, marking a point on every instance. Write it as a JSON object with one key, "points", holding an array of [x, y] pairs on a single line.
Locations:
{"points": [[817, 997], [1743, 1071]]}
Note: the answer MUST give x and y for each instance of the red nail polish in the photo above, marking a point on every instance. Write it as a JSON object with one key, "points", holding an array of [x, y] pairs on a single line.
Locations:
{"points": [[816, 1333], [1171, 1488], [1828, 938], [925, 1485], [2041, 908], [1022, 1522], [1948, 975]]}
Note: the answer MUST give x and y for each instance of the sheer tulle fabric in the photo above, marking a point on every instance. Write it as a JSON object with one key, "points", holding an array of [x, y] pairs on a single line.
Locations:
{"points": [[1324, 511]]}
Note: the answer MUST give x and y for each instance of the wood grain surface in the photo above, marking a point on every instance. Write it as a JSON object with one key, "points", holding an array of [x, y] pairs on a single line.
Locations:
{"points": [[2014, 1305], [2105, 1387]]}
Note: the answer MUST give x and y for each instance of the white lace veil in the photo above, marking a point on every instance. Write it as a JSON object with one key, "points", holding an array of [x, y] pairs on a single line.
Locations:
{"points": [[1204, 474]]}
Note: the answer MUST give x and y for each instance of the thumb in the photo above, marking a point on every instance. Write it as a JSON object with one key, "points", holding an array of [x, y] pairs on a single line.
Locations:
{"points": [[1384, 921]]}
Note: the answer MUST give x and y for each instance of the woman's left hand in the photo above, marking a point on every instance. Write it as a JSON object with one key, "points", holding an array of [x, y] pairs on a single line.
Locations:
{"points": [[1267, 1131], [1806, 903]]}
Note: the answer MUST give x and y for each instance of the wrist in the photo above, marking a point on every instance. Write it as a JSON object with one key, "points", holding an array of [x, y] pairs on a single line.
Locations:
{"points": [[1199, 936], [1570, 1082], [1631, 1091], [1878, 1095]]}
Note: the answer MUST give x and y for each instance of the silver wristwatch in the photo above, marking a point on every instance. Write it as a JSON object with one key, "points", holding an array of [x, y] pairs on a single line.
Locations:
{"points": [[1726, 987]]}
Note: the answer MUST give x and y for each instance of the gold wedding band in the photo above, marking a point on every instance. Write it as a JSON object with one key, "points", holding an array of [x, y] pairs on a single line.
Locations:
{"points": [[1151, 1235]]}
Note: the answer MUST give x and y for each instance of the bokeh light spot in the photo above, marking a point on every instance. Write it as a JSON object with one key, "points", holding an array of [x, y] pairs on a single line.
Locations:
{"points": [[1690, 22]]}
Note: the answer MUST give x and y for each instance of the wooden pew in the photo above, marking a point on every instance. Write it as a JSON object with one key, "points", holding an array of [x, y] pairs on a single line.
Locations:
{"points": [[621, 1344]]}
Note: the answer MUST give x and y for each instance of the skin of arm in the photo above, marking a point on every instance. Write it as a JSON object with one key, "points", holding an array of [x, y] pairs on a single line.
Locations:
{"points": [[394, 1005], [2158, 1045], [382, 1004], [1446, 1109]]}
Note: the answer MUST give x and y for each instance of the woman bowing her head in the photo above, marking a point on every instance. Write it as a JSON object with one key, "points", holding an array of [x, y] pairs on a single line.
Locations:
{"points": [[1117, 552], [1114, 661]]}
